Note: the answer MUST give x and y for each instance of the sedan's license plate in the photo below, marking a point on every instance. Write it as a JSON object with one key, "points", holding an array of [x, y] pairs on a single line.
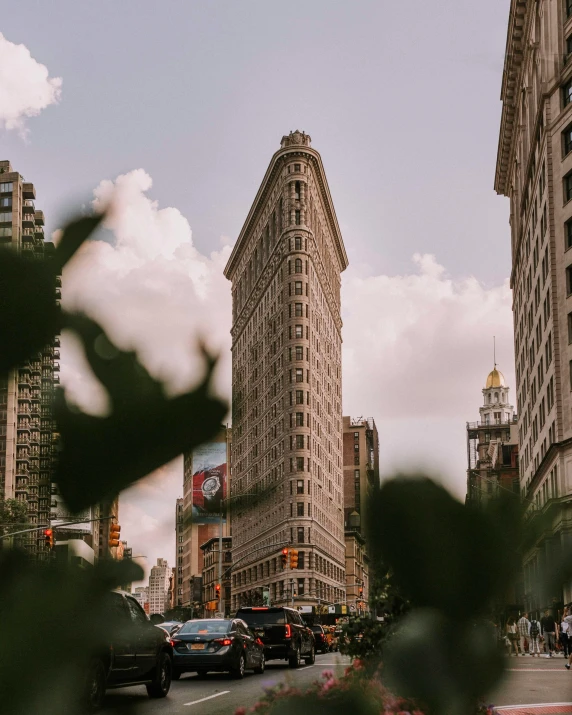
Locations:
{"points": [[197, 646]]}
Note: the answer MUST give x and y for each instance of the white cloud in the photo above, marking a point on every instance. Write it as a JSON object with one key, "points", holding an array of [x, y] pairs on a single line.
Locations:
{"points": [[417, 347], [25, 87]]}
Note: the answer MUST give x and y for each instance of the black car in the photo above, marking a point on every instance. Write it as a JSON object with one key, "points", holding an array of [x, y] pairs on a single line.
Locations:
{"points": [[282, 632], [216, 644], [137, 653], [320, 638]]}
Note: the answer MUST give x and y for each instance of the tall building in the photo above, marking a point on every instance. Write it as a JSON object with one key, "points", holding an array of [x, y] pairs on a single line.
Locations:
{"points": [[534, 170], [159, 584], [210, 577], [179, 549], [361, 473], [492, 444], [206, 479], [287, 378], [27, 432]]}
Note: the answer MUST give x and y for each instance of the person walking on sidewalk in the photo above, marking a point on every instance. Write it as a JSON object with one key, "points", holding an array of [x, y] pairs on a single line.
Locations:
{"points": [[550, 632], [568, 619], [534, 640], [564, 634], [512, 635], [523, 631]]}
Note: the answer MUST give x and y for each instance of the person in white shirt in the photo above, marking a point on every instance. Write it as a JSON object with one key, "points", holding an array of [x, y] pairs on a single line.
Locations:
{"points": [[565, 634], [535, 633], [523, 626]]}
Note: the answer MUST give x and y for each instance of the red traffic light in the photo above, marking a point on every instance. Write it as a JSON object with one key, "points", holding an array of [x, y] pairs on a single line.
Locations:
{"points": [[217, 590], [49, 538], [284, 556]]}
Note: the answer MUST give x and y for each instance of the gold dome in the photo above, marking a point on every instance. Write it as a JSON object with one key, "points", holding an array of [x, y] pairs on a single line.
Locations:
{"points": [[495, 379]]}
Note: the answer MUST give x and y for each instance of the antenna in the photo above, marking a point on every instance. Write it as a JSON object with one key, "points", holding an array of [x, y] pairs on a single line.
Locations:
{"points": [[495, 351]]}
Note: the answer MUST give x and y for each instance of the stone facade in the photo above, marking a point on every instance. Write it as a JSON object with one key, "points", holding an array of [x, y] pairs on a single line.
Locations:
{"points": [[534, 169], [159, 584], [286, 364]]}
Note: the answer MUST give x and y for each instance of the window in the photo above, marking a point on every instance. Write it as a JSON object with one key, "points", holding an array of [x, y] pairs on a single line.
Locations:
{"points": [[300, 532], [299, 419], [570, 366], [298, 247], [568, 46], [299, 486], [569, 280], [548, 350], [568, 8], [297, 190], [570, 327], [297, 168], [6, 217], [567, 184], [299, 464], [6, 188], [299, 331], [135, 611], [299, 374], [299, 441], [298, 288], [298, 265], [300, 397], [567, 93], [6, 232], [297, 218], [300, 508], [298, 310], [299, 352], [567, 140], [568, 234], [6, 203], [300, 583], [301, 559]]}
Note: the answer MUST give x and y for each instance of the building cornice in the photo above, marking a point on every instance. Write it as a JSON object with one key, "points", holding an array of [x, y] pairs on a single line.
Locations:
{"points": [[519, 17], [276, 163]]}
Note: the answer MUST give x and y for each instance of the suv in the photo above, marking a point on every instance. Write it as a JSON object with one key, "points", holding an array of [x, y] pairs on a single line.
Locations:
{"points": [[137, 653], [282, 632], [321, 638]]}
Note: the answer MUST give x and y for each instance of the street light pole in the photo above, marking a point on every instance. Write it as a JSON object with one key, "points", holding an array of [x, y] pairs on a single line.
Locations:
{"points": [[221, 603]]}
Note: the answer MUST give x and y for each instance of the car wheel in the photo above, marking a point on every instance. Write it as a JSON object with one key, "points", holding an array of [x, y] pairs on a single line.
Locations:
{"points": [[161, 683], [262, 666], [95, 685], [311, 658], [176, 674], [294, 660], [238, 672]]}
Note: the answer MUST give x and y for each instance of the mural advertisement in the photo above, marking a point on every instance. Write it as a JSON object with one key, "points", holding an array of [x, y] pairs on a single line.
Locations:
{"points": [[209, 482]]}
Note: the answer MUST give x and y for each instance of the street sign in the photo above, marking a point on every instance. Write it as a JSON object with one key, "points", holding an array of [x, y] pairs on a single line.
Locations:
{"points": [[352, 607], [331, 609]]}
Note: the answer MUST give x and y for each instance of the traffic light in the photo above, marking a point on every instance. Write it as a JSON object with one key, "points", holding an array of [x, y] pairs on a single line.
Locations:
{"points": [[49, 538], [361, 592], [284, 557], [217, 591], [293, 559], [114, 531]]}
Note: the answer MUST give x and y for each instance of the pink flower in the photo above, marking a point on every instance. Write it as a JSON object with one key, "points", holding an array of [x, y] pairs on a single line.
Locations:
{"points": [[240, 711], [327, 674]]}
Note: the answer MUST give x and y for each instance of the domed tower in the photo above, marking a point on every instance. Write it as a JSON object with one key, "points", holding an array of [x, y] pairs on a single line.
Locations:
{"points": [[492, 443], [496, 408]]}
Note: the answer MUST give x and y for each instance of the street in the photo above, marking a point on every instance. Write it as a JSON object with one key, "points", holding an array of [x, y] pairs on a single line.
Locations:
{"points": [[534, 680], [218, 694]]}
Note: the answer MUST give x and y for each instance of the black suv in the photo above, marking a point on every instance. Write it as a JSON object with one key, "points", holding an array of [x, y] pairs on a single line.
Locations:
{"points": [[282, 632], [138, 653], [320, 638]]}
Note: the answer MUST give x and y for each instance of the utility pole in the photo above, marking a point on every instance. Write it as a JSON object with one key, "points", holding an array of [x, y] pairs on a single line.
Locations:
{"points": [[221, 604], [292, 590]]}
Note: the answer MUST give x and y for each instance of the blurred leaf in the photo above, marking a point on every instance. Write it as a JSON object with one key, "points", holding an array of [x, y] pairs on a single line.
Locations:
{"points": [[446, 664], [442, 554], [100, 456], [29, 314]]}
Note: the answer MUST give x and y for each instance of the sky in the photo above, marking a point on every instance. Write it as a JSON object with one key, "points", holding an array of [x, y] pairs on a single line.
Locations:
{"points": [[175, 110]]}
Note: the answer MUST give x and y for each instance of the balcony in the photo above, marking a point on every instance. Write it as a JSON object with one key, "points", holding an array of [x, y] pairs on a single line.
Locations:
{"points": [[56, 378], [56, 367], [28, 207], [28, 221], [39, 233], [28, 235], [28, 190], [39, 218], [56, 354]]}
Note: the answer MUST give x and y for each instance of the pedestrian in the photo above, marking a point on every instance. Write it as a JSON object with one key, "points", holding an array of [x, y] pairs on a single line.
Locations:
{"points": [[568, 619], [523, 626], [512, 635], [550, 632], [564, 634], [534, 640]]}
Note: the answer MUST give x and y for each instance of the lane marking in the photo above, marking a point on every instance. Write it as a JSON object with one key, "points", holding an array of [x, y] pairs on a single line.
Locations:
{"points": [[210, 697], [536, 670], [306, 667]]}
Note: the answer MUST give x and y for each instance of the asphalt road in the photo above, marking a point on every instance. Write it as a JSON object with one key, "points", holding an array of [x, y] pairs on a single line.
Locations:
{"points": [[534, 680], [218, 694]]}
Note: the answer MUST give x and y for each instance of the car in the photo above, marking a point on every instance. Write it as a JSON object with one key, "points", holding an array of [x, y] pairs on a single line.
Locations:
{"points": [[216, 644], [282, 632], [136, 653], [320, 638], [171, 627]]}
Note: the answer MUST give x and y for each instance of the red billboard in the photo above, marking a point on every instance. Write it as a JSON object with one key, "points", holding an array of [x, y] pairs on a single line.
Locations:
{"points": [[209, 468]]}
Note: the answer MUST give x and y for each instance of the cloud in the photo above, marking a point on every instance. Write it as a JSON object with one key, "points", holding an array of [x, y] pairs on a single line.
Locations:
{"points": [[25, 87], [416, 352]]}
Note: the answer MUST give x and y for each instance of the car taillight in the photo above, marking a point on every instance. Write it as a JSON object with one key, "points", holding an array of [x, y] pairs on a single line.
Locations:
{"points": [[174, 642], [223, 641], [288, 631]]}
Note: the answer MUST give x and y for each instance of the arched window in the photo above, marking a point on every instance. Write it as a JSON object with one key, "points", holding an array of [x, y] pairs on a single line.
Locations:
{"points": [[496, 396], [489, 398], [298, 265]]}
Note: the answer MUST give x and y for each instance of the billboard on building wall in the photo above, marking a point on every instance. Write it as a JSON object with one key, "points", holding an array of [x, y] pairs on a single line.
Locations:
{"points": [[209, 469]]}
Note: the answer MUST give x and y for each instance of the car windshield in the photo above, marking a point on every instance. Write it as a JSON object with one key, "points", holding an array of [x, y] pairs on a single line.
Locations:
{"points": [[205, 627], [261, 618]]}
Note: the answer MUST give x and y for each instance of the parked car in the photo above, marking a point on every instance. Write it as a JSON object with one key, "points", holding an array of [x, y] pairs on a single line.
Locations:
{"points": [[137, 653], [320, 638], [216, 644], [282, 632]]}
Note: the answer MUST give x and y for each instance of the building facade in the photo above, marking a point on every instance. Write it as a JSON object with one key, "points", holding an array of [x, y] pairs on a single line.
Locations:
{"points": [[179, 550], [206, 488], [534, 170], [286, 365], [159, 585], [492, 444], [211, 562], [27, 431], [361, 465]]}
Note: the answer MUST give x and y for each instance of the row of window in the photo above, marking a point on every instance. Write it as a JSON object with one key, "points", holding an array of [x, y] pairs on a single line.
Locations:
{"points": [[6, 187]]}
